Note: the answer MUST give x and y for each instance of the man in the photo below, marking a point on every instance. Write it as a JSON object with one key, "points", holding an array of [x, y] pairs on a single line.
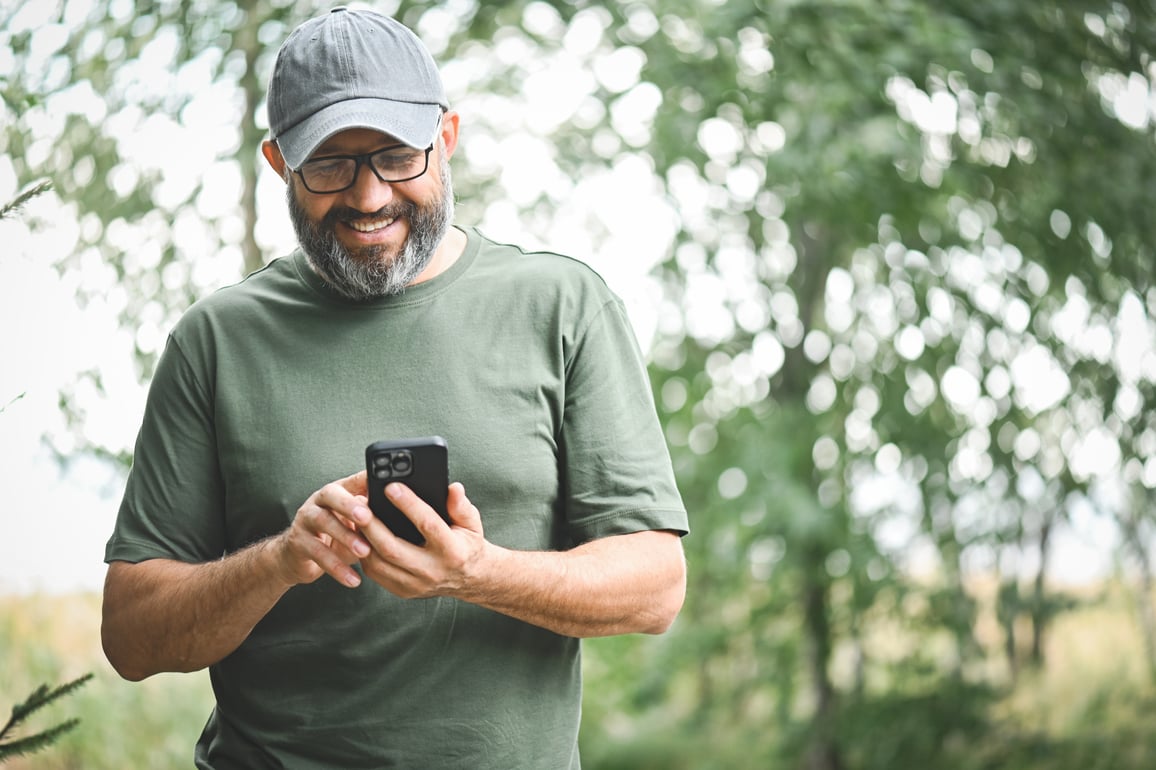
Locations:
{"points": [[244, 543]]}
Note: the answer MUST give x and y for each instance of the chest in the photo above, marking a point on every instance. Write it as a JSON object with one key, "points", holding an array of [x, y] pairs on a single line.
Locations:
{"points": [[295, 407]]}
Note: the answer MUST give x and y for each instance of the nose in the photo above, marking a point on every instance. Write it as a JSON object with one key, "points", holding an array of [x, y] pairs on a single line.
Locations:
{"points": [[368, 193]]}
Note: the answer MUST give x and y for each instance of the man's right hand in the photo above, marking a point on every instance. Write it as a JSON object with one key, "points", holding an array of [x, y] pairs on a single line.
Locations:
{"points": [[168, 615], [324, 538]]}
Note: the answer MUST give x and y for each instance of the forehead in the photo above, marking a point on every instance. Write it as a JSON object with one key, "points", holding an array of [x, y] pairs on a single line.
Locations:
{"points": [[355, 140]]}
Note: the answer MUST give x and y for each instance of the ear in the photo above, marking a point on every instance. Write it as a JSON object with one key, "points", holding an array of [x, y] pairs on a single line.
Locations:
{"points": [[275, 159], [449, 131]]}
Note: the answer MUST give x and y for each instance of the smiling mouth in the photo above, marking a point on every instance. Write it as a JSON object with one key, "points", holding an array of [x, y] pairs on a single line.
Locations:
{"points": [[371, 225]]}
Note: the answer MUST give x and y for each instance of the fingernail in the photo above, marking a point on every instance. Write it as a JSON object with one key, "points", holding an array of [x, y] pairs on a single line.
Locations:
{"points": [[393, 491], [361, 548]]}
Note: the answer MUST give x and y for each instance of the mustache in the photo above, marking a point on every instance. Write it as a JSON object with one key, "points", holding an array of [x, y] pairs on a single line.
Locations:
{"points": [[342, 214]]}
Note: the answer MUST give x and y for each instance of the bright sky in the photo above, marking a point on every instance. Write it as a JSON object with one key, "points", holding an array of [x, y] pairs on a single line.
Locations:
{"points": [[56, 519]]}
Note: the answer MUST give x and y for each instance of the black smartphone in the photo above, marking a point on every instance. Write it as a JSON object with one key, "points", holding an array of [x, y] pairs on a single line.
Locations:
{"points": [[422, 464]]}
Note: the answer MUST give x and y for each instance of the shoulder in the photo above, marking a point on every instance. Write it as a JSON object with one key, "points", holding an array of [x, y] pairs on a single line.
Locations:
{"points": [[251, 295], [518, 270]]}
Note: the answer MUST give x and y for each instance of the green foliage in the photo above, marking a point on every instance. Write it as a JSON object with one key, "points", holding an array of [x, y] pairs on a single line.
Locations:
{"points": [[915, 729], [909, 244], [18, 747], [121, 724], [874, 227]]}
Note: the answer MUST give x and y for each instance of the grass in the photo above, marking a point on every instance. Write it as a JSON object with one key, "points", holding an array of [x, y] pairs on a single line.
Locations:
{"points": [[1089, 708], [1092, 703], [54, 639]]}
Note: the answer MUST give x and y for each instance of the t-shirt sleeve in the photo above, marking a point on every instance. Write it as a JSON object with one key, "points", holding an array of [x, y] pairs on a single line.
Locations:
{"points": [[173, 502], [615, 464]]}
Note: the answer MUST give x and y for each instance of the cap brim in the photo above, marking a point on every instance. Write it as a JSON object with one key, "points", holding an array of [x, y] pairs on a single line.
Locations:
{"points": [[410, 123]]}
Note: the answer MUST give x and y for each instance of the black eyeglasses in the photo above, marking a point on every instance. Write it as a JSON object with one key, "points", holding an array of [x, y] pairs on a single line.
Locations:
{"points": [[336, 173]]}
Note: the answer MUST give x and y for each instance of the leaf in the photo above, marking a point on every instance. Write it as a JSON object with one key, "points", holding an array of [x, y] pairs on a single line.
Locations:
{"points": [[14, 399]]}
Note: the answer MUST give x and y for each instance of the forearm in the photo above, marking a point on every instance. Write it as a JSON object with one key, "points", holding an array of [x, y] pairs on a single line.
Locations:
{"points": [[162, 615], [625, 584]]}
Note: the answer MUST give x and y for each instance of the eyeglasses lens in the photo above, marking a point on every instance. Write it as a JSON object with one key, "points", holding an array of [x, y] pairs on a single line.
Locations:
{"points": [[330, 175]]}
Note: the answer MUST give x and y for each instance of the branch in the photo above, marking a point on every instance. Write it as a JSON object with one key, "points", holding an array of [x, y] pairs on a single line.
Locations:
{"points": [[34, 743], [12, 208], [36, 701]]}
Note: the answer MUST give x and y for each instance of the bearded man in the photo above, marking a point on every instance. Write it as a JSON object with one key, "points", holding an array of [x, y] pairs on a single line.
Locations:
{"points": [[245, 543]]}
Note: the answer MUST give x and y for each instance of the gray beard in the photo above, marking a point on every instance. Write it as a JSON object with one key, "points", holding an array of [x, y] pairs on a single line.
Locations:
{"points": [[370, 272]]}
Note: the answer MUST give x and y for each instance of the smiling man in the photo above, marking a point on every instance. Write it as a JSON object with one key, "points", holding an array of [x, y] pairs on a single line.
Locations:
{"points": [[244, 542], [356, 247]]}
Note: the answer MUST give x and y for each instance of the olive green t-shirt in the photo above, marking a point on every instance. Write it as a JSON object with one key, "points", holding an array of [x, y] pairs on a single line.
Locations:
{"points": [[267, 390]]}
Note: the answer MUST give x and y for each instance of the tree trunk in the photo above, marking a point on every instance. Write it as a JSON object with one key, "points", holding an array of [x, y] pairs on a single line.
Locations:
{"points": [[1008, 610], [1132, 526], [1147, 615], [251, 136], [823, 751], [1040, 613]]}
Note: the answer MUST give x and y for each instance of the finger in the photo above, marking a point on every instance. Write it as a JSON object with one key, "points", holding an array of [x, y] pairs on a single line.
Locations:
{"points": [[348, 556], [424, 517], [336, 562], [316, 551], [462, 512], [342, 498], [349, 551], [357, 484], [329, 530], [333, 530]]}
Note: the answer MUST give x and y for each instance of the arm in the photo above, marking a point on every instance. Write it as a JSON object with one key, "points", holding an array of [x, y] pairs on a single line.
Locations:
{"points": [[164, 615], [624, 584], [633, 583]]}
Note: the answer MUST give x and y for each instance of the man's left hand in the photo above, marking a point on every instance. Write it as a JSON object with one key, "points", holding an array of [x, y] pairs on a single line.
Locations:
{"points": [[439, 567]]}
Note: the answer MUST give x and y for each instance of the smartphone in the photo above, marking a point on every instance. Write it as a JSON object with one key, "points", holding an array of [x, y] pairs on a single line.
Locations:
{"points": [[422, 464]]}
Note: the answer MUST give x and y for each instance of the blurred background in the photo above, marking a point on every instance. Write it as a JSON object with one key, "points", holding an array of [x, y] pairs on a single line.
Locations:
{"points": [[892, 264]]}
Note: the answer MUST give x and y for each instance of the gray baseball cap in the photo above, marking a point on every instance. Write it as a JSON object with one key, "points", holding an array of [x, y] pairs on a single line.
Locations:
{"points": [[352, 69]]}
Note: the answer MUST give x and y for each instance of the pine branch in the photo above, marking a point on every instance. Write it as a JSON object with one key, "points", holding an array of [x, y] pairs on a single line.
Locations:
{"points": [[9, 209], [40, 698], [34, 743]]}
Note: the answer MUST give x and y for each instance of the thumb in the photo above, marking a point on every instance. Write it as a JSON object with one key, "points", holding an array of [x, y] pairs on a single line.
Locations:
{"points": [[462, 512]]}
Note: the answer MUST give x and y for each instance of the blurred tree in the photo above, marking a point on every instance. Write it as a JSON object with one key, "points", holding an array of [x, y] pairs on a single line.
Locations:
{"points": [[109, 99], [905, 322], [910, 304]]}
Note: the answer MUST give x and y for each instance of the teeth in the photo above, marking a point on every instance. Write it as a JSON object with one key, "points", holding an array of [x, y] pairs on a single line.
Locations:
{"points": [[370, 225]]}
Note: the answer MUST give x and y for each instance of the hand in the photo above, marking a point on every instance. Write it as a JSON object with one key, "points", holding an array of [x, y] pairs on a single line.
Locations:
{"points": [[441, 567], [324, 536]]}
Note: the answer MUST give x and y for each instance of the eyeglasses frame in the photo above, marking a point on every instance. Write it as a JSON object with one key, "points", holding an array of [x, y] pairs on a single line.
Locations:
{"points": [[362, 160]]}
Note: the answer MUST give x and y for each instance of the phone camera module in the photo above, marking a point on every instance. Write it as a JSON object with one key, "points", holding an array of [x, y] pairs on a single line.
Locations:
{"points": [[402, 463], [392, 465]]}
